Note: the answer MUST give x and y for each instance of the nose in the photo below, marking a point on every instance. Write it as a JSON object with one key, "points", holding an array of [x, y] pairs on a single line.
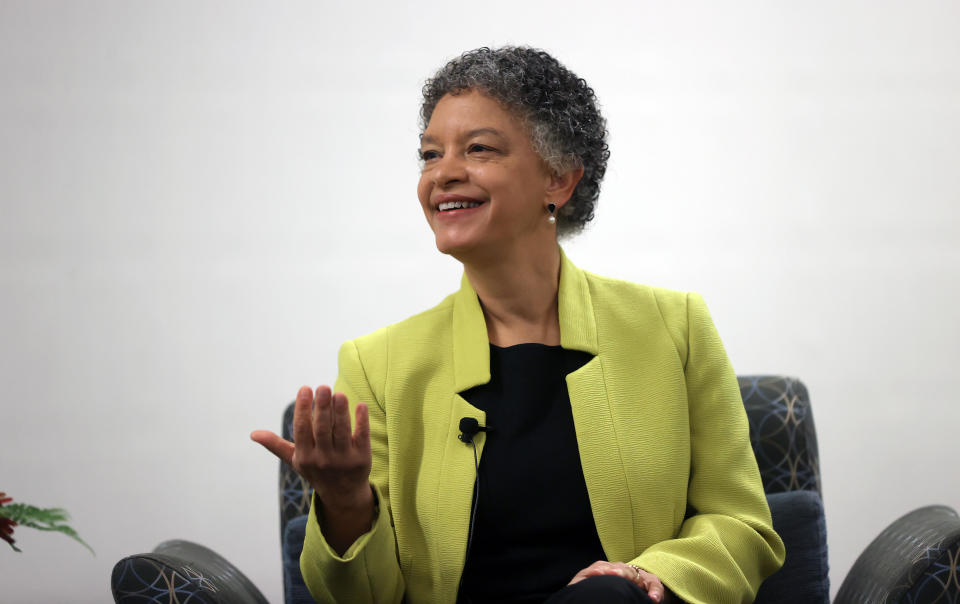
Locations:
{"points": [[449, 170]]}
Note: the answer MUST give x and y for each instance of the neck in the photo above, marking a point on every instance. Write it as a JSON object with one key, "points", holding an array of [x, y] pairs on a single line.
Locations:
{"points": [[518, 294]]}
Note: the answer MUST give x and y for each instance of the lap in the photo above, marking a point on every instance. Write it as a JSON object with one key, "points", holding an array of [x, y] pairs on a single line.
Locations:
{"points": [[602, 588]]}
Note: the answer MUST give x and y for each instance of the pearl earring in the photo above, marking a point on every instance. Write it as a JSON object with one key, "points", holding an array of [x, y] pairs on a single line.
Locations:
{"points": [[552, 207]]}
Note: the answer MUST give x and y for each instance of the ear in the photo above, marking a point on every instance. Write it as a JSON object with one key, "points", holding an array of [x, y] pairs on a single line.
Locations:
{"points": [[560, 187]]}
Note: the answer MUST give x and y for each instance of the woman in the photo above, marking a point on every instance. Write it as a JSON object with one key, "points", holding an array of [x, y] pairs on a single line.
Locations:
{"points": [[617, 465]]}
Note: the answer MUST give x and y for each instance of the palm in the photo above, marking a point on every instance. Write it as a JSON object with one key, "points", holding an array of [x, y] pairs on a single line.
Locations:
{"points": [[334, 461]]}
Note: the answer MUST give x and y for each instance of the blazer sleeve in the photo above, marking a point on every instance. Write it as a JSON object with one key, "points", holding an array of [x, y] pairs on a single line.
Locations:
{"points": [[726, 546], [369, 570]]}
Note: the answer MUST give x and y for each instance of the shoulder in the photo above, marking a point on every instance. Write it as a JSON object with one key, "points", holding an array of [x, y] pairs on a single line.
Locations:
{"points": [[423, 323], [422, 331], [670, 304], [627, 307]]}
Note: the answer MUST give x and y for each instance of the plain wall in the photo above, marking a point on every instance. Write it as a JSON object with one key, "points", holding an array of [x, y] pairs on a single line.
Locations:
{"points": [[202, 200]]}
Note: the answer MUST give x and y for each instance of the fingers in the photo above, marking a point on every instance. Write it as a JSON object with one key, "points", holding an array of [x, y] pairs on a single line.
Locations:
{"points": [[273, 443], [322, 437], [361, 434], [341, 423], [624, 571], [654, 589], [609, 568], [302, 432], [322, 419], [331, 424], [590, 571], [647, 581]]}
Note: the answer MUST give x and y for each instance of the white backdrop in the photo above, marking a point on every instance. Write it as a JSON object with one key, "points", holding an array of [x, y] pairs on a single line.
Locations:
{"points": [[201, 201]]}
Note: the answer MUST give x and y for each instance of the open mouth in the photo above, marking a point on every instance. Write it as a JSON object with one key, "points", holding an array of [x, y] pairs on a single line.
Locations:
{"points": [[450, 206]]}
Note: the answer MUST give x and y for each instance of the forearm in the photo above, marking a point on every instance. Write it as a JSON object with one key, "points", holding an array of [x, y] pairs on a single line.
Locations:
{"points": [[366, 572], [343, 522]]}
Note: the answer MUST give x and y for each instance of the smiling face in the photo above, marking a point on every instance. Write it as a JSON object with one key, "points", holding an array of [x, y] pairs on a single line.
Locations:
{"points": [[483, 187]]}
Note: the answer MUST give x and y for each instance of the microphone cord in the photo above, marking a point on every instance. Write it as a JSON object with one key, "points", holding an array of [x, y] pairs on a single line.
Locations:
{"points": [[476, 498], [473, 513]]}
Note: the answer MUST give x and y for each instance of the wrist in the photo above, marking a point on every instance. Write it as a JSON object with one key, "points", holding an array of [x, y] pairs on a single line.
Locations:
{"points": [[351, 503], [343, 522]]}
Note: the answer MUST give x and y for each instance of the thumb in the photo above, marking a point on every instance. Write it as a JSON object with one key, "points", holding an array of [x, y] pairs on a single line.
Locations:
{"points": [[283, 449]]}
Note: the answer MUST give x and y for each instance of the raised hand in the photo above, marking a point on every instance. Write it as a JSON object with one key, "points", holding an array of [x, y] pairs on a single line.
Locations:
{"points": [[642, 578], [334, 461]]}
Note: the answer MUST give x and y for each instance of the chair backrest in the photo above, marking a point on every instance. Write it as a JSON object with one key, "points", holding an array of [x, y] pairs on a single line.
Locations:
{"points": [[782, 433]]}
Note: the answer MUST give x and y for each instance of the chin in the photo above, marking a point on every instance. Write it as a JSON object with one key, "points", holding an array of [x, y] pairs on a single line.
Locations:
{"points": [[449, 248], [458, 247]]}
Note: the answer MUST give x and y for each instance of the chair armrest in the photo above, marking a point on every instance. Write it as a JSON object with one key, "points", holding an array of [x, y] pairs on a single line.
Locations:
{"points": [[912, 560], [179, 571], [798, 519]]}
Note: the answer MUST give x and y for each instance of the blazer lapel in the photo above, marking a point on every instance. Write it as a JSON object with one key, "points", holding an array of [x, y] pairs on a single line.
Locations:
{"points": [[471, 367], [578, 327], [600, 457], [471, 345]]}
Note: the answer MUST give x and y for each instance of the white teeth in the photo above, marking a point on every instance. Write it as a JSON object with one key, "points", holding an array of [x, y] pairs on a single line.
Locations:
{"points": [[456, 205]]}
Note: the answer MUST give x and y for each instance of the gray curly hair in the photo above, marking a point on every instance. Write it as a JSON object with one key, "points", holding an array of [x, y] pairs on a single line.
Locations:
{"points": [[559, 108]]}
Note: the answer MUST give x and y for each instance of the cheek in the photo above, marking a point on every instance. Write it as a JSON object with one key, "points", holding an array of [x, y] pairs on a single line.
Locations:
{"points": [[518, 196], [423, 191], [520, 181]]}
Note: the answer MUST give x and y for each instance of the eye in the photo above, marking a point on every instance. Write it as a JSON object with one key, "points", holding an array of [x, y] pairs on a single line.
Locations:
{"points": [[478, 148], [427, 155]]}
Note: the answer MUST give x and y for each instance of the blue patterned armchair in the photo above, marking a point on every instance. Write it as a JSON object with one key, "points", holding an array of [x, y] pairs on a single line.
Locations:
{"points": [[914, 560]]}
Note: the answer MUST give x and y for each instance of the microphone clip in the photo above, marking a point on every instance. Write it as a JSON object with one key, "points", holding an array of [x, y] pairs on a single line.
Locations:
{"points": [[469, 427]]}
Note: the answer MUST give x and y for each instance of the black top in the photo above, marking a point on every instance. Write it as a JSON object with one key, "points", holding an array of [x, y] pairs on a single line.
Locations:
{"points": [[534, 526]]}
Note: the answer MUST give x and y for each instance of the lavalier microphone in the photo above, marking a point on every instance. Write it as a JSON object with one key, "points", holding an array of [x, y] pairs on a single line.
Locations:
{"points": [[469, 427]]}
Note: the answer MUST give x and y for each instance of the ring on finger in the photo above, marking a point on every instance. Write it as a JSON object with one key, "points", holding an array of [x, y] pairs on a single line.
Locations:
{"points": [[637, 570]]}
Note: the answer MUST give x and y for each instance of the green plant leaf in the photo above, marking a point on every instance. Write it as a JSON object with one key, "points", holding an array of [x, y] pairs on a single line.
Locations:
{"points": [[42, 519]]}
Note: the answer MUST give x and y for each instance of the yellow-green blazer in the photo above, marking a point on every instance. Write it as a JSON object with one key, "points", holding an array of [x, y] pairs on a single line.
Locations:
{"points": [[659, 422]]}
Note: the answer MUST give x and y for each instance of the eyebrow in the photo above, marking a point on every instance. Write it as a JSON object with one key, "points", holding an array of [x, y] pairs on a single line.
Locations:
{"points": [[426, 138]]}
